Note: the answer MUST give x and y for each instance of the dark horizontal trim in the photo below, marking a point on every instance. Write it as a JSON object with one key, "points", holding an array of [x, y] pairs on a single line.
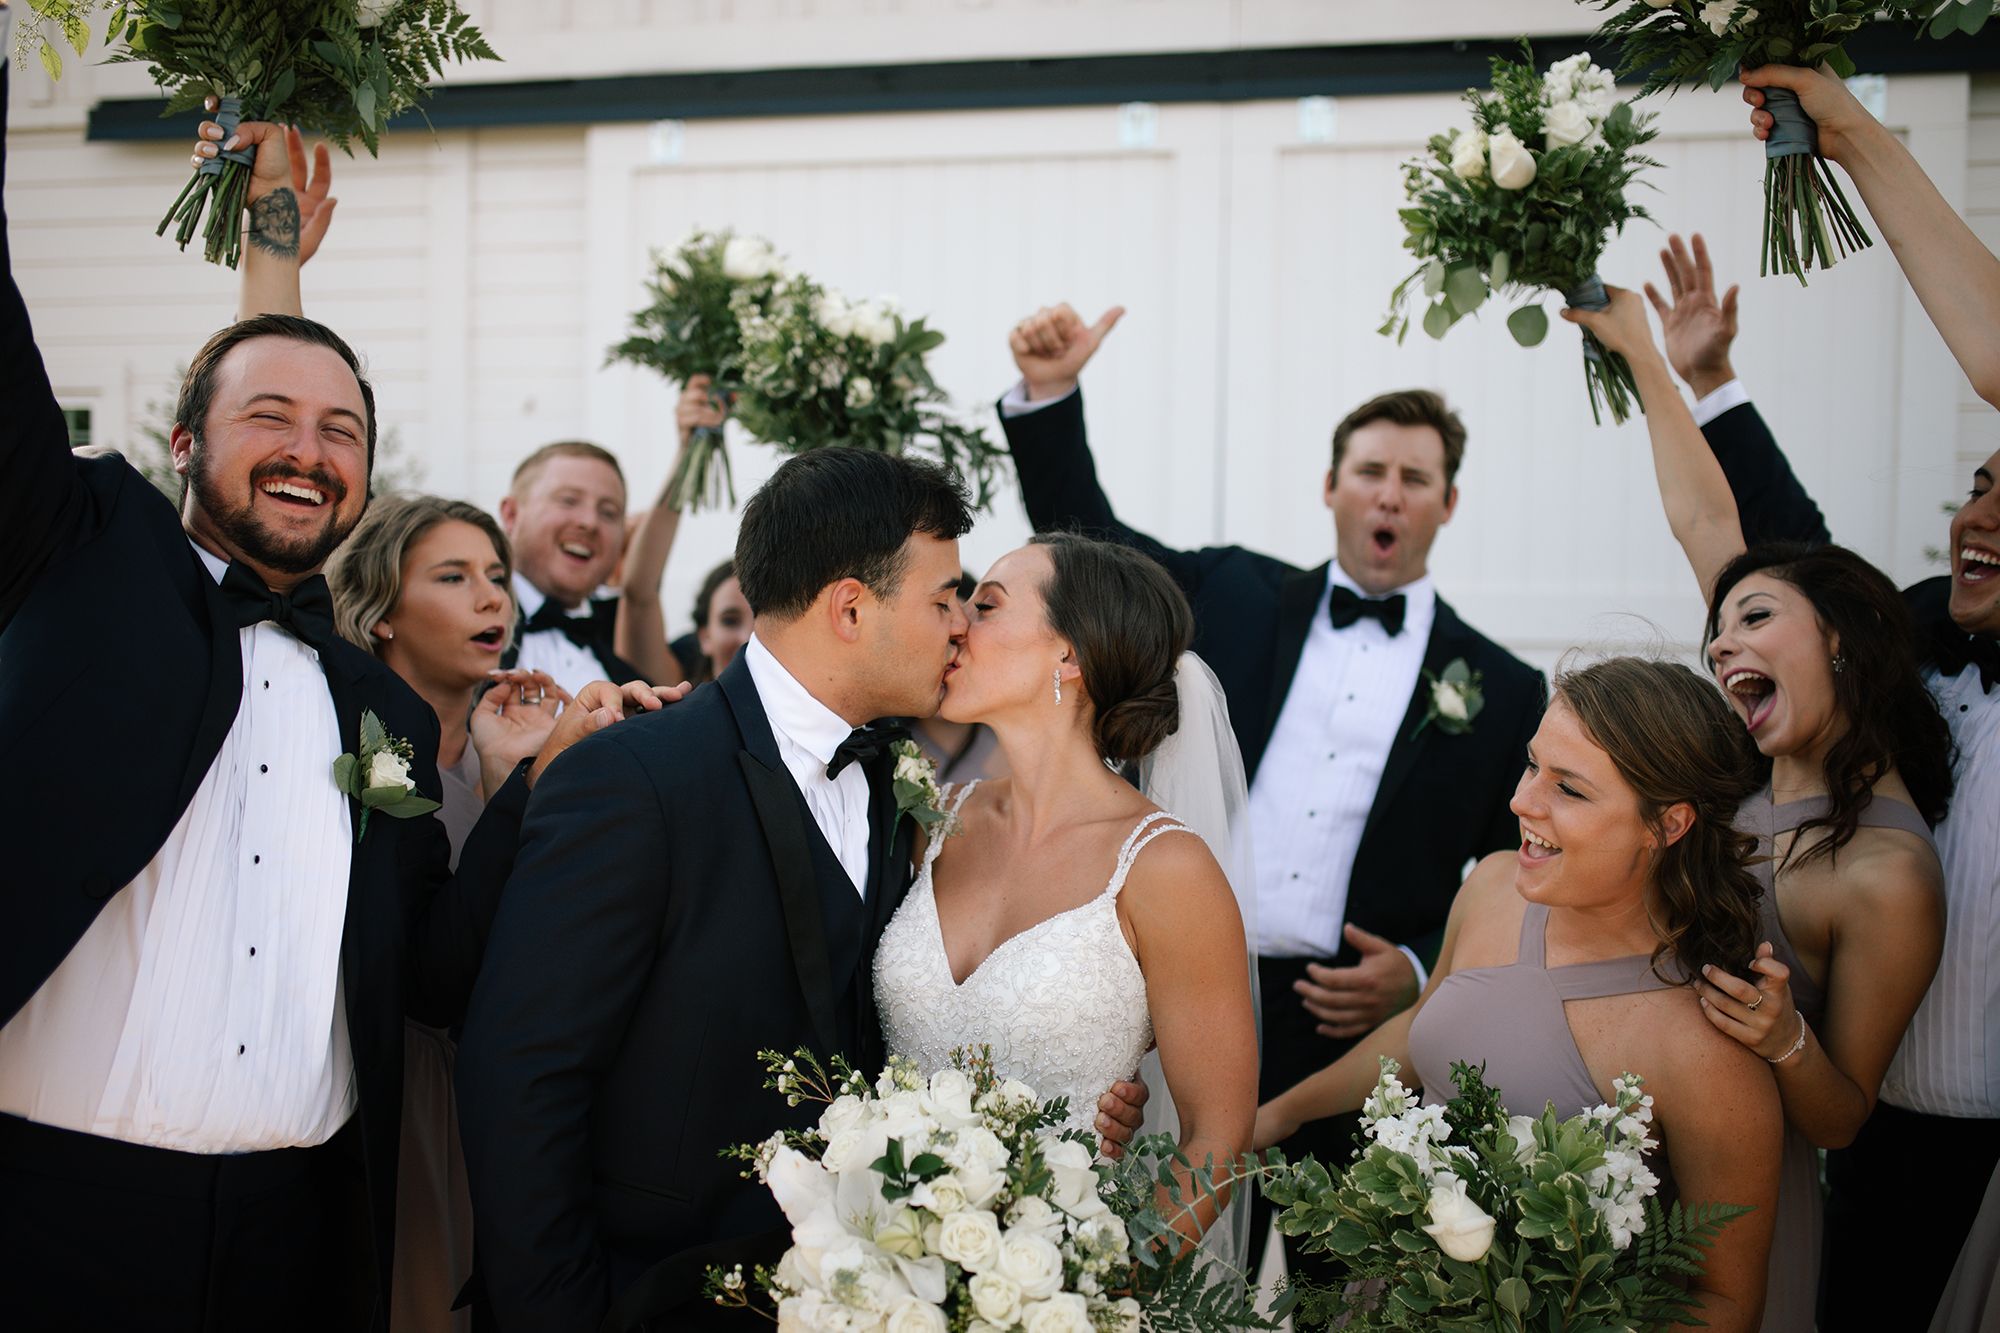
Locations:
{"points": [[1197, 76]]}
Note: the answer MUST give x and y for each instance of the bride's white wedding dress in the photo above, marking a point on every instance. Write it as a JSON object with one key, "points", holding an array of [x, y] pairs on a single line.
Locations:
{"points": [[1062, 1004]]}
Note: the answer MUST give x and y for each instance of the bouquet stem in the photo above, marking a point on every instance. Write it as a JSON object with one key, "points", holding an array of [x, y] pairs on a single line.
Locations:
{"points": [[703, 476], [1606, 374], [1808, 222], [220, 187]]}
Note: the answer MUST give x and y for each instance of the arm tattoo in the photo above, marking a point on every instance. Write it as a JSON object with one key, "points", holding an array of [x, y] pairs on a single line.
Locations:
{"points": [[274, 224]]}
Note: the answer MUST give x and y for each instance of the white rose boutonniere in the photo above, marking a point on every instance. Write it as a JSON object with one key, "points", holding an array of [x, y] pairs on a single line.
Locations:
{"points": [[379, 777], [917, 791], [1455, 699]]}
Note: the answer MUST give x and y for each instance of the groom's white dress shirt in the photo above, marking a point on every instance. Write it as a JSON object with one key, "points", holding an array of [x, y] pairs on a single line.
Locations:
{"points": [[1317, 781], [201, 1010], [808, 733], [567, 663]]}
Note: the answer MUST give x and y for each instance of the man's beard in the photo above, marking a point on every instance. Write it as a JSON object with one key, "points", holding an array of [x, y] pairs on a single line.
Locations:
{"points": [[239, 526]]}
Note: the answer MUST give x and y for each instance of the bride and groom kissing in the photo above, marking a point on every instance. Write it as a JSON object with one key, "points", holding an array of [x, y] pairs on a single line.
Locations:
{"points": [[713, 880]]}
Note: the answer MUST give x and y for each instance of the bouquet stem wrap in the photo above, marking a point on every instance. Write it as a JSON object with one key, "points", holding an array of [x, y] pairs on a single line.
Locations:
{"points": [[1807, 220], [703, 479], [221, 185], [1606, 374]]}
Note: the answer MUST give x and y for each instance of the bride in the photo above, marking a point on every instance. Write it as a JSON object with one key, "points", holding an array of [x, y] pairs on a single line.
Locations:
{"points": [[1070, 923]]}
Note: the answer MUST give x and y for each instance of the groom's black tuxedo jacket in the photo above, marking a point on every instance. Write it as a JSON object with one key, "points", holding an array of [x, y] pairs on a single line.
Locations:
{"points": [[120, 675], [1442, 800], [674, 910]]}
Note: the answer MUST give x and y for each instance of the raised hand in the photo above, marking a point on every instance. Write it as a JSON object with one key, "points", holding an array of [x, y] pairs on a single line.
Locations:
{"points": [[1052, 346], [294, 221], [512, 721], [1621, 326], [1354, 1001], [699, 408], [1841, 119], [1698, 329], [1761, 1016]]}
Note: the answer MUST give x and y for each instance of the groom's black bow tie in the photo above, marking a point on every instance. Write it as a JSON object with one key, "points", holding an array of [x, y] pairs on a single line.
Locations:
{"points": [[1349, 606], [1954, 650], [307, 610], [865, 743], [579, 630]]}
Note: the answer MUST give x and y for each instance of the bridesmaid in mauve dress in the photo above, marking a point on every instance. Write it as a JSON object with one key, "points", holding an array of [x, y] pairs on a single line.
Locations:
{"points": [[1566, 965]]}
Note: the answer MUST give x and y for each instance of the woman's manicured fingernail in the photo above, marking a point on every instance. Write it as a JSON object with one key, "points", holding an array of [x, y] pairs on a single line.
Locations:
{"points": [[230, 147]]}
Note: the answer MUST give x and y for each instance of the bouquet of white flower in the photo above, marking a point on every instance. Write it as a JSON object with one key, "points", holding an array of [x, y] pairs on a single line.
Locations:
{"points": [[952, 1202], [1525, 200], [1679, 43], [819, 369], [1462, 1217], [337, 68], [692, 325]]}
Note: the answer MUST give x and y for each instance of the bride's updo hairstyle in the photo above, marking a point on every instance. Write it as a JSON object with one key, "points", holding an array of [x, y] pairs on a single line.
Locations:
{"points": [[1129, 623], [1674, 740]]}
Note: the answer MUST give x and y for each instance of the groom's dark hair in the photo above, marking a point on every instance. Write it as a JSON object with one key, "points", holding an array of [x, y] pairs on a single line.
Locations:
{"points": [[841, 513]]}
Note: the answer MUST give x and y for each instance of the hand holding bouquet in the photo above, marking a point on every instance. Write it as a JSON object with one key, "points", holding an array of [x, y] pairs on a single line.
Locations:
{"points": [[954, 1201], [337, 68], [1462, 1216], [1526, 199], [692, 326]]}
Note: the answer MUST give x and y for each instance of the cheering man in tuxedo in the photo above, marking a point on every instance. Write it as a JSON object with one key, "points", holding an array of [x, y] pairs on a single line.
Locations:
{"points": [[1941, 1094], [565, 516], [208, 955], [1364, 809]]}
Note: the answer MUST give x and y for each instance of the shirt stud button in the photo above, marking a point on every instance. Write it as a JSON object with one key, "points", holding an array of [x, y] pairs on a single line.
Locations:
{"points": [[253, 951], [263, 768], [256, 860], [239, 1050]]}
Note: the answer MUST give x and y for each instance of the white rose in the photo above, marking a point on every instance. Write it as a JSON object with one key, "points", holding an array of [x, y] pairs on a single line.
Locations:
{"points": [[1450, 702], [971, 1240], [834, 314], [997, 1300], [1034, 1216], [1460, 1227], [1075, 1181], [1718, 15], [977, 1146], [746, 258], [846, 1150], [941, 1195], [874, 323], [1034, 1264], [369, 13], [1065, 1312], [1512, 164], [915, 1316], [845, 1112], [1565, 124], [1521, 1129], [1468, 155], [1128, 1313], [860, 393], [387, 769], [981, 1183]]}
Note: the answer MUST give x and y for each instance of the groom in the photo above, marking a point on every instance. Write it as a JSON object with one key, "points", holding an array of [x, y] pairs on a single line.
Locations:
{"points": [[709, 886]]}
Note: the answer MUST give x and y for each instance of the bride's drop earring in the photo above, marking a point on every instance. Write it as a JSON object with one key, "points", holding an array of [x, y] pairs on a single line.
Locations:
{"points": [[1058, 679]]}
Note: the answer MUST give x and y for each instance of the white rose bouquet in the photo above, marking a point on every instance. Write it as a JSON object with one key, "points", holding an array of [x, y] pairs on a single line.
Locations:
{"points": [[819, 369], [692, 325], [955, 1202], [1524, 200], [1808, 222], [1462, 1216], [337, 68]]}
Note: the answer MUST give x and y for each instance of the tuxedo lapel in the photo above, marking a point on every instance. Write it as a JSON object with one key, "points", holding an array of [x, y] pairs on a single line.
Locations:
{"points": [[1298, 598], [225, 685], [1446, 642], [368, 944], [888, 847], [781, 816]]}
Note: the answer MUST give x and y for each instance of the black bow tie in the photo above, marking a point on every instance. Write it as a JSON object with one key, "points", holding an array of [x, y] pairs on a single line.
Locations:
{"points": [[1349, 606], [865, 743], [579, 630], [307, 610], [1954, 650]]}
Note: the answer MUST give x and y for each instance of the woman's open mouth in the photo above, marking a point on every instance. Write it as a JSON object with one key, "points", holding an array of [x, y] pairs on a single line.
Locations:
{"points": [[1536, 849], [1754, 692], [491, 638]]}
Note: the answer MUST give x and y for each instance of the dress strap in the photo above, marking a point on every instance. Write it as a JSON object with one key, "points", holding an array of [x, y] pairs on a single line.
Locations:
{"points": [[953, 800], [1880, 812], [1534, 923], [1151, 827]]}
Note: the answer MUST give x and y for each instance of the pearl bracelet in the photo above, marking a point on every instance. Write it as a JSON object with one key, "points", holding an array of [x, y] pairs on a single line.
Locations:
{"points": [[1797, 1046]]}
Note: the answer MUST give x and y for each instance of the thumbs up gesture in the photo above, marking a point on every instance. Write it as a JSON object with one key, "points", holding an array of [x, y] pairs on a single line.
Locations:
{"points": [[1052, 346]]}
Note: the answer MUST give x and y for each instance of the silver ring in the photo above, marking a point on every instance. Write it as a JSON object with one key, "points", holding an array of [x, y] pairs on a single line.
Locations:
{"points": [[1758, 1003], [531, 702]]}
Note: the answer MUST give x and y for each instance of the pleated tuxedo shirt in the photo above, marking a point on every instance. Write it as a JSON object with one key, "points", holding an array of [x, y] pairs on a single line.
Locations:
{"points": [[202, 1009]]}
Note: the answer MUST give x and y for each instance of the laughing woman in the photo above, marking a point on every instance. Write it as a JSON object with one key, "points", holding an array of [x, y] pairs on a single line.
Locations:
{"points": [[1812, 648], [423, 584], [1567, 963]]}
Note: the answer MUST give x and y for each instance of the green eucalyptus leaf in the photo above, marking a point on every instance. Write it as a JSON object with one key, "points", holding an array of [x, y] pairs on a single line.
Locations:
{"points": [[1464, 287], [410, 807], [1434, 277], [1437, 319], [1529, 325], [343, 774], [1499, 269]]}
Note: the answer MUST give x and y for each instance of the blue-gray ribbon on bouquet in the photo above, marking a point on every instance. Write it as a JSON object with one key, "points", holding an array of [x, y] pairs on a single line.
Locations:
{"points": [[228, 114], [1589, 295], [1793, 133]]}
